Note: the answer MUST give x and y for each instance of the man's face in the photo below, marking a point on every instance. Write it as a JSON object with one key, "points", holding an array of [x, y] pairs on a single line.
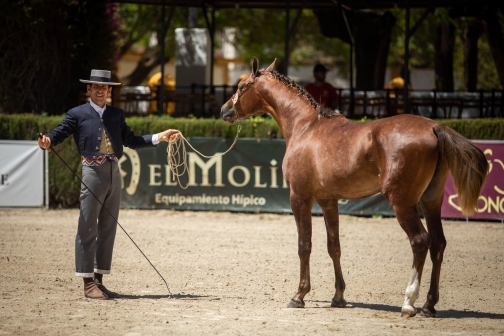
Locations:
{"points": [[99, 93], [320, 76]]}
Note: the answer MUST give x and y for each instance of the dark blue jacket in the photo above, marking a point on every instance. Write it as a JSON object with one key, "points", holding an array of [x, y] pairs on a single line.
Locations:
{"points": [[84, 123]]}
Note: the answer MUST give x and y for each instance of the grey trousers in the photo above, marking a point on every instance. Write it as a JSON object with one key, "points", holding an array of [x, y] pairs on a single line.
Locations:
{"points": [[96, 232]]}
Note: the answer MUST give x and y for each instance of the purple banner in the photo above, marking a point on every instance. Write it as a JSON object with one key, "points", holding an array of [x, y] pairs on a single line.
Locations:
{"points": [[491, 201]]}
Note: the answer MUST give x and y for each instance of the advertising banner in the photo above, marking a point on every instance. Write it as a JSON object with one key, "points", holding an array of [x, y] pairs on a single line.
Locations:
{"points": [[21, 174], [491, 201], [247, 179]]}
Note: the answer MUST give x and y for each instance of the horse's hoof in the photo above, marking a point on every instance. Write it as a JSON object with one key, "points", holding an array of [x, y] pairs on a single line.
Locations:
{"points": [[296, 304], [408, 311], [338, 304], [425, 312]]}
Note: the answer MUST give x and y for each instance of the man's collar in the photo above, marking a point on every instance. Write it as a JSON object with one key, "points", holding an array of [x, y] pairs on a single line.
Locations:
{"points": [[96, 107]]}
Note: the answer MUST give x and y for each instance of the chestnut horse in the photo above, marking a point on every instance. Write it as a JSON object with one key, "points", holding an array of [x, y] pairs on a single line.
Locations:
{"points": [[406, 158]]}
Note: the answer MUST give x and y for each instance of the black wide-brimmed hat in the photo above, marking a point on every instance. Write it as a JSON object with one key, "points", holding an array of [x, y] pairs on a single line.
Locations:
{"points": [[99, 77]]}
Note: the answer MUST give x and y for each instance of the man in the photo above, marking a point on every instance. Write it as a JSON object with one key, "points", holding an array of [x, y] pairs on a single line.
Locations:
{"points": [[99, 132], [323, 92]]}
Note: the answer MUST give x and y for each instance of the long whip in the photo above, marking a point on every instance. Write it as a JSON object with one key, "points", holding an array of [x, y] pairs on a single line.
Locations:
{"points": [[104, 207]]}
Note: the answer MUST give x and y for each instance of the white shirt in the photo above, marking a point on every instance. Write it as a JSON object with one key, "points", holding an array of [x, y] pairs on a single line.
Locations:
{"points": [[100, 110]]}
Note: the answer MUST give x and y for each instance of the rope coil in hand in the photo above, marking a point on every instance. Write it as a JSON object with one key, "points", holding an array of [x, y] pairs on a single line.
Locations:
{"points": [[177, 155]]}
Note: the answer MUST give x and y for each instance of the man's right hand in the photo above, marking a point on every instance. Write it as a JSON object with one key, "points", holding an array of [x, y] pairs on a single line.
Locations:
{"points": [[44, 143]]}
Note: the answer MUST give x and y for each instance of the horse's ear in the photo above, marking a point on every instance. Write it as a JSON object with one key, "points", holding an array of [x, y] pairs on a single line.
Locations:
{"points": [[272, 66], [255, 66]]}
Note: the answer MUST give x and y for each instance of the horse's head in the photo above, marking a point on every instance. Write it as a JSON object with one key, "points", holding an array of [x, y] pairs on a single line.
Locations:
{"points": [[246, 101]]}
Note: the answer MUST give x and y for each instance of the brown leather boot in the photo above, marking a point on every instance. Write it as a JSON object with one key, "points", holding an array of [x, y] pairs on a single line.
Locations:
{"points": [[92, 291], [110, 294]]}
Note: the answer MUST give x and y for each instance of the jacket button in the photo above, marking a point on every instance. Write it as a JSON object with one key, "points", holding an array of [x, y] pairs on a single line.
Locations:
{"points": [[97, 147], [94, 157], [99, 138], [99, 129]]}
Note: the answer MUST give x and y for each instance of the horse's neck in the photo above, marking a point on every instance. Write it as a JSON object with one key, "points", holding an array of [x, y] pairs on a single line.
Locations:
{"points": [[291, 111]]}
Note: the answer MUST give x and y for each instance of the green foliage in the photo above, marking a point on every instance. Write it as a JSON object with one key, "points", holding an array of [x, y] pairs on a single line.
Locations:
{"points": [[422, 49], [488, 77], [251, 128], [307, 45], [47, 46], [487, 72], [138, 22], [421, 43], [477, 129]]}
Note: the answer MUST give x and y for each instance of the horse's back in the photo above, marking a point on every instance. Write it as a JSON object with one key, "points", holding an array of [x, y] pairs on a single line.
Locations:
{"points": [[345, 159]]}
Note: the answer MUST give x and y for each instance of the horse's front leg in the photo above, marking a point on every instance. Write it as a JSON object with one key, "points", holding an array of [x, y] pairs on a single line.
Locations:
{"points": [[301, 207], [331, 218]]}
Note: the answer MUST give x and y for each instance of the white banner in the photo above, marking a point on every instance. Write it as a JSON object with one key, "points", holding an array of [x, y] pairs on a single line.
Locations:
{"points": [[21, 174]]}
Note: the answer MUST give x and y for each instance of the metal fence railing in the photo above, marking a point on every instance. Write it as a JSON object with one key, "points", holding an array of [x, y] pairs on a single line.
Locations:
{"points": [[431, 104], [205, 101]]}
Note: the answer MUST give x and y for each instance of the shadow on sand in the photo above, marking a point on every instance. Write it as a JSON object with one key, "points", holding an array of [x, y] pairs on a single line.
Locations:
{"points": [[451, 313], [179, 296], [167, 296]]}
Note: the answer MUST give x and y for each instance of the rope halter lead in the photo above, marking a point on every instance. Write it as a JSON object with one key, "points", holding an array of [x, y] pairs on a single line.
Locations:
{"points": [[177, 154]]}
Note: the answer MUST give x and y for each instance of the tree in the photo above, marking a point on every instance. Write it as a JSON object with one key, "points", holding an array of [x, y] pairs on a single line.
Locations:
{"points": [[467, 55], [307, 44], [379, 40], [493, 28], [472, 29], [371, 34], [48, 46], [444, 47]]}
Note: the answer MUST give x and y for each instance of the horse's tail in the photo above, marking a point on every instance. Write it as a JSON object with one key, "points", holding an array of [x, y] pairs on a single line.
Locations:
{"points": [[468, 166]]}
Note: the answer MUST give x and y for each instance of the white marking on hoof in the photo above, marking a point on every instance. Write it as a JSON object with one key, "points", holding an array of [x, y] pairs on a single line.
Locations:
{"points": [[411, 294], [408, 311]]}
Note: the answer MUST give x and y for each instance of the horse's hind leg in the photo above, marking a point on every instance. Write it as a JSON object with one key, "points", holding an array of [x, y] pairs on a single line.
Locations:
{"points": [[331, 218], [301, 209], [431, 202], [420, 241]]}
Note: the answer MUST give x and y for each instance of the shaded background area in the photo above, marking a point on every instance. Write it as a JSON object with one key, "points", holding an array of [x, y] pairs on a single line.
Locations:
{"points": [[50, 45], [47, 46]]}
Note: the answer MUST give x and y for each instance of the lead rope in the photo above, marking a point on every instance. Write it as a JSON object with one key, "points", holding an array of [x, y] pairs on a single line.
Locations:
{"points": [[176, 155]]}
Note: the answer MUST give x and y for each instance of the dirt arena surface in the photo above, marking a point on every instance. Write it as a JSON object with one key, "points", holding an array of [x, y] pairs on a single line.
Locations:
{"points": [[234, 274]]}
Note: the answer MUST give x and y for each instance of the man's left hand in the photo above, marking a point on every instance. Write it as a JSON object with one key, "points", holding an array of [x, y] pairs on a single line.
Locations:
{"points": [[168, 135]]}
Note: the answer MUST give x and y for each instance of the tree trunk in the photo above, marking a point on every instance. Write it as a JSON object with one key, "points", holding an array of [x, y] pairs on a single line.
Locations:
{"points": [[150, 59], [372, 41], [371, 33], [444, 57], [472, 32], [495, 41]]}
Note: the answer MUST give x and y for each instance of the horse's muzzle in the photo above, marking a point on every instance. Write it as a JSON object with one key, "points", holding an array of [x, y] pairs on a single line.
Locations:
{"points": [[228, 113]]}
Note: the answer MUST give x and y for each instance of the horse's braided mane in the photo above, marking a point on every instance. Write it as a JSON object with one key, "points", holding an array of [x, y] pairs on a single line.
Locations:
{"points": [[323, 111]]}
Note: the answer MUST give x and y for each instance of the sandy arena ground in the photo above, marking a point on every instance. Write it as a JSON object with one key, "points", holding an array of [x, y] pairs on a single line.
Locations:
{"points": [[234, 274]]}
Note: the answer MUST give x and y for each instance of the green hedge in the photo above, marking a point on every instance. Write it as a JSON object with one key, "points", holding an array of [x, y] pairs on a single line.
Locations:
{"points": [[478, 129], [64, 187]]}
